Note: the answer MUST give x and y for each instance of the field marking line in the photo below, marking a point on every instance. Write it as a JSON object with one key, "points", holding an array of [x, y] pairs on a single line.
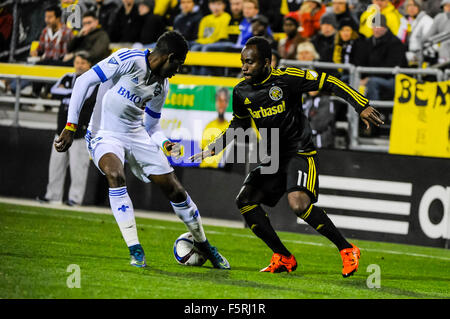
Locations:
{"points": [[172, 217]]}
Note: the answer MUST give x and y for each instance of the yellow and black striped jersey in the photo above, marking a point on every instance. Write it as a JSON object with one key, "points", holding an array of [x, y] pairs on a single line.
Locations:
{"points": [[276, 102]]}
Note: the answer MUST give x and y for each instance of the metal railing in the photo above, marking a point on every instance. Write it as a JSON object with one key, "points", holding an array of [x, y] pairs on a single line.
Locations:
{"points": [[355, 74], [360, 143], [447, 74], [17, 99]]}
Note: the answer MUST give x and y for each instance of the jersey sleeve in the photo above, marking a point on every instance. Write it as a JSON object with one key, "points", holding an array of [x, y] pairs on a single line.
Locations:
{"points": [[79, 92], [116, 64], [311, 80]]}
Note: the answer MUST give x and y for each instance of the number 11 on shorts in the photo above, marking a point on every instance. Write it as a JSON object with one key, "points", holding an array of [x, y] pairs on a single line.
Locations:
{"points": [[302, 178]]}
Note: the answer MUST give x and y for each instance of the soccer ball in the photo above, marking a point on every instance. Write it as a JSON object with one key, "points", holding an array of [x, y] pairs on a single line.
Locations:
{"points": [[186, 253]]}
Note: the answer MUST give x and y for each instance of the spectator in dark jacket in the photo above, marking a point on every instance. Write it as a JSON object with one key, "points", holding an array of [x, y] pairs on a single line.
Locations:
{"points": [[127, 23], [188, 20], [324, 40], [348, 47], [105, 11], [152, 25], [342, 11], [91, 38], [272, 10], [386, 50]]}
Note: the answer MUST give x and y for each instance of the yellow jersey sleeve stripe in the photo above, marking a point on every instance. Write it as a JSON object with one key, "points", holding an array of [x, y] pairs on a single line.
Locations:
{"points": [[349, 91], [345, 87], [337, 81], [322, 79], [295, 74], [295, 70]]}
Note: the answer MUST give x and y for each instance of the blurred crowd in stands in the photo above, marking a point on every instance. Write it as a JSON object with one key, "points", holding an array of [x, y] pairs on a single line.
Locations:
{"points": [[336, 31]]}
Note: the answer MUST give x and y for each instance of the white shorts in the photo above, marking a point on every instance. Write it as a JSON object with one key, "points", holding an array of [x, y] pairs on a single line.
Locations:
{"points": [[142, 154]]}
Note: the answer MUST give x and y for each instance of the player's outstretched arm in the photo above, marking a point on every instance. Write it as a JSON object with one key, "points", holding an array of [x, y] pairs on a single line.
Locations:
{"points": [[80, 89], [360, 103]]}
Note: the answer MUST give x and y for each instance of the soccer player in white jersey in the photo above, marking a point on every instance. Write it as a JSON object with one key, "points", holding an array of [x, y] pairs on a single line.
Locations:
{"points": [[125, 125]]}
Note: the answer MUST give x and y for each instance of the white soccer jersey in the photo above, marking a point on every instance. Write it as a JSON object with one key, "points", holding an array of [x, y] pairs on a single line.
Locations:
{"points": [[123, 104], [124, 93]]}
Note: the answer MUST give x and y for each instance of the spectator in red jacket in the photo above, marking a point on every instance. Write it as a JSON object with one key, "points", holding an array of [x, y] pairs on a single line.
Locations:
{"points": [[309, 17], [54, 38]]}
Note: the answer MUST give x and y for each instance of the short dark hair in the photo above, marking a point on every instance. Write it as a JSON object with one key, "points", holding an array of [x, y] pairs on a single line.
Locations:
{"points": [[90, 14], [172, 42], [84, 55], [263, 47], [55, 9]]}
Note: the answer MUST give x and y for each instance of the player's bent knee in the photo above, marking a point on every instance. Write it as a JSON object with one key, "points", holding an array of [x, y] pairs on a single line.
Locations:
{"points": [[299, 202], [115, 178]]}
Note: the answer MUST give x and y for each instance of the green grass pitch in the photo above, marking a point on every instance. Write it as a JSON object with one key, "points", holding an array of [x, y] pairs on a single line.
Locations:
{"points": [[37, 245]]}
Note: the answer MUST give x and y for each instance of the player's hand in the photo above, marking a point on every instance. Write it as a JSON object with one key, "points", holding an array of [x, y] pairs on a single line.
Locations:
{"points": [[64, 141], [176, 150], [202, 155], [371, 115], [173, 149]]}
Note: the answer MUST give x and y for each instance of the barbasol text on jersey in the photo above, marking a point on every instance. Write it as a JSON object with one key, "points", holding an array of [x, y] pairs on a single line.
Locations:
{"points": [[127, 94], [269, 111]]}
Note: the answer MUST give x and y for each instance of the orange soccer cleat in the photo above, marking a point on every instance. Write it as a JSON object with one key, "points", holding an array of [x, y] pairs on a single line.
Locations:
{"points": [[350, 260], [281, 263]]}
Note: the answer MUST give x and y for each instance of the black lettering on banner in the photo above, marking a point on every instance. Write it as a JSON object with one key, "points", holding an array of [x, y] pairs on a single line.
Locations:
{"points": [[443, 95], [418, 101], [405, 95]]}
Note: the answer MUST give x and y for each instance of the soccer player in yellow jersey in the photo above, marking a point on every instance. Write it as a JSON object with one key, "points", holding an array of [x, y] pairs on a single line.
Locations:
{"points": [[213, 27]]}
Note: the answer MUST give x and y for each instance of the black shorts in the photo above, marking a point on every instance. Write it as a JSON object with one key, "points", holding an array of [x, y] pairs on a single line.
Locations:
{"points": [[296, 173]]}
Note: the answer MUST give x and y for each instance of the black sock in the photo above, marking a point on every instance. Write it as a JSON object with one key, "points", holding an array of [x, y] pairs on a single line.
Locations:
{"points": [[318, 219], [256, 218]]}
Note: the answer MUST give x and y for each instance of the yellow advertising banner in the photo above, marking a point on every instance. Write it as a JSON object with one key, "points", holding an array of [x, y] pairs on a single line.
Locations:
{"points": [[421, 118]]}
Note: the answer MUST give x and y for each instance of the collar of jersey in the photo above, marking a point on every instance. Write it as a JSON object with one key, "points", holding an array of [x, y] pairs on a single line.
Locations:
{"points": [[268, 77]]}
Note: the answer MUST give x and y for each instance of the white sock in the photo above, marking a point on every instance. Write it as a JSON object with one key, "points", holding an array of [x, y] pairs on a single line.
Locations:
{"points": [[187, 211], [123, 211]]}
